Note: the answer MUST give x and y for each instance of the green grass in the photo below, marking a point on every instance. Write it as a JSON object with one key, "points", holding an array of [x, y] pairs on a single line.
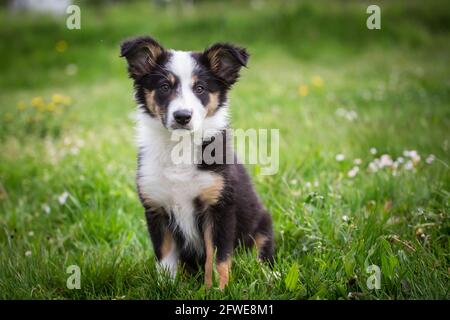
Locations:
{"points": [[396, 80]]}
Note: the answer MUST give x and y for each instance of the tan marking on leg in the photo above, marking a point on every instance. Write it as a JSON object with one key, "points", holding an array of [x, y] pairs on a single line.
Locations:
{"points": [[213, 104], [223, 268], [260, 240], [209, 248], [211, 194], [166, 244]]}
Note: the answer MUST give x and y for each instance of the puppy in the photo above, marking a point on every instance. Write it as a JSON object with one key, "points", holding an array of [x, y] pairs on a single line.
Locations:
{"points": [[194, 211]]}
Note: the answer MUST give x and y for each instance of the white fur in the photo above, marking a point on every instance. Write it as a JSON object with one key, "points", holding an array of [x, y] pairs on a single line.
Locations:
{"points": [[169, 263], [215, 123]]}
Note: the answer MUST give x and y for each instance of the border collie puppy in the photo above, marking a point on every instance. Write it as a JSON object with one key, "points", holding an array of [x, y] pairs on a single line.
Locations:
{"points": [[194, 211]]}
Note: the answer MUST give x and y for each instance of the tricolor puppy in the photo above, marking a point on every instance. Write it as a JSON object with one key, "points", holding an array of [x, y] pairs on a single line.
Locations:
{"points": [[195, 210]]}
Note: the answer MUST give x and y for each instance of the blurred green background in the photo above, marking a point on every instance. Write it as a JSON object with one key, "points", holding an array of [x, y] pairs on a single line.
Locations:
{"points": [[364, 121]]}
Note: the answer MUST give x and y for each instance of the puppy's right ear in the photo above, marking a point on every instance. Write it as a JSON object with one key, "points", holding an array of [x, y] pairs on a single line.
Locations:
{"points": [[142, 54]]}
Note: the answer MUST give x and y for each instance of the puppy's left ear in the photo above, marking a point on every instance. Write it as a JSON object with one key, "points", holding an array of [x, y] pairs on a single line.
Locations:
{"points": [[225, 61]]}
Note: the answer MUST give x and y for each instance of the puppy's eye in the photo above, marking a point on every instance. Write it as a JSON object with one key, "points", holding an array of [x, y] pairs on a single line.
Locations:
{"points": [[164, 88], [199, 89]]}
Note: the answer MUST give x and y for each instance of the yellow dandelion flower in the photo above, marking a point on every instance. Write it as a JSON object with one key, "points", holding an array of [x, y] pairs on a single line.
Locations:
{"points": [[61, 46], [38, 102], [57, 98], [317, 81], [51, 106], [303, 90], [21, 106]]}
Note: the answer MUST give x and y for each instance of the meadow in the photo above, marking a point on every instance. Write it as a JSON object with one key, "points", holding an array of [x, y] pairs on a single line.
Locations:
{"points": [[364, 118]]}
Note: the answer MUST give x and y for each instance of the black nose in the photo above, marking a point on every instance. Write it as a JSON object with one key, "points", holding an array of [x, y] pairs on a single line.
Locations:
{"points": [[182, 116]]}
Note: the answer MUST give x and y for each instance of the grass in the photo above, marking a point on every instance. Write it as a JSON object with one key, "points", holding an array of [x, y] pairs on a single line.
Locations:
{"points": [[67, 168]]}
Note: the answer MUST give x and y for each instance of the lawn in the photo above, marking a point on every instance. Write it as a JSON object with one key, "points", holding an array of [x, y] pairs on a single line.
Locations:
{"points": [[364, 118]]}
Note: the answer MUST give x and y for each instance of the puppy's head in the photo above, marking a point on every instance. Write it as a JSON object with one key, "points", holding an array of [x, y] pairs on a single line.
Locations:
{"points": [[183, 89]]}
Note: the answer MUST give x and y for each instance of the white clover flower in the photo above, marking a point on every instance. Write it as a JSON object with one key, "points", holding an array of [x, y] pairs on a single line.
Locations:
{"points": [[31, 233], [340, 157], [373, 167], [357, 161], [430, 159], [409, 165], [385, 161], [415, 157], [63, 198], [293, 182], [28, 253], [308, 184], [400, 160], [373, 150], [316, 183], [413, 154], [345, 218], [351, 115], [353, 172], [395, 165], [46, 208]]}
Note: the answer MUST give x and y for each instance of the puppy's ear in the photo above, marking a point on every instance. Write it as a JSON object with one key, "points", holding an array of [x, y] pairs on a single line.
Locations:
{"points": [[142, 54], [225, 61]]}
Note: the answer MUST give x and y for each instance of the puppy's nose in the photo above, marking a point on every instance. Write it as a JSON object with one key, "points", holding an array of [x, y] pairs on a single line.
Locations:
{"points": [[182, 116]]}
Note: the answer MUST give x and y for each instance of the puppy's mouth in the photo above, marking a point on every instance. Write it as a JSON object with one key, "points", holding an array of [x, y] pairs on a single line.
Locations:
{"points": [[176, 126]]}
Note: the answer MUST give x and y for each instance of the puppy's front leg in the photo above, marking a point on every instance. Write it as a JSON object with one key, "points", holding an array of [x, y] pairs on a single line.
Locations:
{"points": [[168, 261], [224, 230], [223, 259], [163, 243], [209, 252], [223, 268]]}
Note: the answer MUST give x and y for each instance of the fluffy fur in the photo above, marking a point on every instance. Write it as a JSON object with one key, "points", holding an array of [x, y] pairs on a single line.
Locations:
{"points": [[192, 209]]}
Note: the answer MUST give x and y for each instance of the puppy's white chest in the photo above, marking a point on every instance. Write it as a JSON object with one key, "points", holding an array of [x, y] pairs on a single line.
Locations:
{"points": [[175, 187], [172, 185]]}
